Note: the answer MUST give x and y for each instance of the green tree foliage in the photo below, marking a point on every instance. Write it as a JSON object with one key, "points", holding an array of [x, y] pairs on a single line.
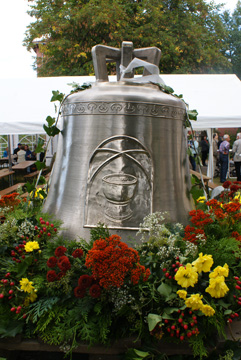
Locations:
{"points": [[232, 49], [190, 33]]}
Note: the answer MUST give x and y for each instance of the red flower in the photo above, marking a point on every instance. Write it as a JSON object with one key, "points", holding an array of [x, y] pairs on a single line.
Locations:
{"points": [[85, 281], [52, 261], [60, 251], [111, 261], [147, 274], [79, 292], [234, 188], [226, 184], [95, 291], [78, 253], [51, 275], [64, 263]]}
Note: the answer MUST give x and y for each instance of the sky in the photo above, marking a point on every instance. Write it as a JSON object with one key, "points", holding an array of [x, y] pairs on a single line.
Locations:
{"points": [[15, 60]]}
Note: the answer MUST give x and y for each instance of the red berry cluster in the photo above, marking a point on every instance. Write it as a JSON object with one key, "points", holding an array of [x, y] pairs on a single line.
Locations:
{"points": [[8, 290], [18, 254], [232, 316], [170, 273], [6, 287], [45, 228], [183, 327], [238, 296]]}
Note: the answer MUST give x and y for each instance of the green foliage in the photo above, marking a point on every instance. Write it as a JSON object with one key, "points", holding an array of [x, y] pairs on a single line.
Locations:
{"points": [[100, 232], [69, 29], [232, 44]]}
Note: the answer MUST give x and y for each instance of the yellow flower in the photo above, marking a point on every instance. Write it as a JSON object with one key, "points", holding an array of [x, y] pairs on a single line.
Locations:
{"points": [[201, 199], [217, 287], [31, 245], [33, 296], [207, 310], [203, 263], [220, 271], [186, 276], [37, 193], [194, 301], [26, 285], [182, 294]]}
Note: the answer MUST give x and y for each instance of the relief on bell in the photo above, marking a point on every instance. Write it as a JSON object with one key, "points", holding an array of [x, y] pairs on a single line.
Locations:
{"points": [[119, 187]]}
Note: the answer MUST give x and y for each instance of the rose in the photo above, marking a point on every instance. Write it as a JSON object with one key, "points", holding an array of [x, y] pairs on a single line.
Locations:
{"points": [[52, 261], [85, 281], [79, 292], [78, 253], [95, 291], [60, 251], [63, 263], [51, 275]]}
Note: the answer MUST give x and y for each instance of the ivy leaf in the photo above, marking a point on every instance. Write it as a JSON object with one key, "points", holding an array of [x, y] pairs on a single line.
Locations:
{"points": [[51, 131], [153, 320], [165, 290], [192, 114], [227, 312], [50, 120], [141, 354], [223, 304], [57, 96]]}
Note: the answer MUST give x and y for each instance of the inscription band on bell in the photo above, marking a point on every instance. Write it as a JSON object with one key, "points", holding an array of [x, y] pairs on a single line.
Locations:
{"points": [[122, 107]]}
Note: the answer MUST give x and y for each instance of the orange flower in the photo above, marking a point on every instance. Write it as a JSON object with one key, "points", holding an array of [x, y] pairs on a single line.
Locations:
{"points": [[111, 261]]}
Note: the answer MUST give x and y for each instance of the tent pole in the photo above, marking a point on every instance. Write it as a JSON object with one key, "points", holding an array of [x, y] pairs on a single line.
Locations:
{"points": [[10, 161]]}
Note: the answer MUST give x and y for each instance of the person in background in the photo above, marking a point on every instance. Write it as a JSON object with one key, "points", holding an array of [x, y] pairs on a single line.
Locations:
{"points": [[15, 151], [237, 156], [224, 157], [193, 146], [28, 153], [215, 151], [5, 153], [204, 149], [21, 154]]}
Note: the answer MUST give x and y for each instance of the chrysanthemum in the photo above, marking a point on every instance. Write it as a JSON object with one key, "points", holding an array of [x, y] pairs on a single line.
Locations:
{"points": [[220, 271], [182, 294], [207, 310], [217, 287], [31, 245], [26, 285], [194, 301], [203, 263], [186, 276]]}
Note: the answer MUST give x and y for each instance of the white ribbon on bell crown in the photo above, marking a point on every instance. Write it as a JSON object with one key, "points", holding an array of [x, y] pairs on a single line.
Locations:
{"points": [[135, 63]]}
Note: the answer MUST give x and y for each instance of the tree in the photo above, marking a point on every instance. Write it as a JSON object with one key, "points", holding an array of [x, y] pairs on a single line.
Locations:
{"points": [[232, 48], [190, 33]]}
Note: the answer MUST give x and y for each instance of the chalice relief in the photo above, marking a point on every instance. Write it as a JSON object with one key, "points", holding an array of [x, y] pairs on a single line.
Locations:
{"points": [[119, 187]]}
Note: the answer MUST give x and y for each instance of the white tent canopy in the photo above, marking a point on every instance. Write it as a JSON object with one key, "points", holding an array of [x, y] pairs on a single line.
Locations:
{"points": [[25, 103]]}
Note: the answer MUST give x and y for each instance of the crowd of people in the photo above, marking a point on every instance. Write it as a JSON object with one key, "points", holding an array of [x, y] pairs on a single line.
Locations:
{"points": [[24, 153], [221, 154]]}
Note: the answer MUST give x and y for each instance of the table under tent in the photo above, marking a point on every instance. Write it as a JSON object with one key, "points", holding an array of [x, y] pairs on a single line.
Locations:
{"points": [[25, 103]]}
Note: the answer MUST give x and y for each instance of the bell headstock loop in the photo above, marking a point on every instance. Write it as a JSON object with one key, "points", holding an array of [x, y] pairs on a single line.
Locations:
{"points": [[102, 54]]}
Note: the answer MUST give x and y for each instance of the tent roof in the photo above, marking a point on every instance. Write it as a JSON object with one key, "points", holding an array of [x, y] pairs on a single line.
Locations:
{"points": [[25, 103]]}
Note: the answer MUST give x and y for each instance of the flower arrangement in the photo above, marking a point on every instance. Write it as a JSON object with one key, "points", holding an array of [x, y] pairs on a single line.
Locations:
{"points": [[177, 284]]}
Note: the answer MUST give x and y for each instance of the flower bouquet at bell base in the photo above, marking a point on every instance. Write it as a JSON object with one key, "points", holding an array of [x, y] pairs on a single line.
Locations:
{"points": [[201, 300]]}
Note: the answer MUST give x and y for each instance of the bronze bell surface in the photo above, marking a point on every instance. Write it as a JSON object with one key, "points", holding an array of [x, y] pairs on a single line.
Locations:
{"points": [[122, 150]]}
